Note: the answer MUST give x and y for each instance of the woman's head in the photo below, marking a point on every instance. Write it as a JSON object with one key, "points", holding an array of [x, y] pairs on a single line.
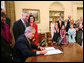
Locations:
{"points": [[56, 25], [71, 25], [54, 20], [31, 18], [66, 20], [72, 21], [63, 27], [3, 17]]}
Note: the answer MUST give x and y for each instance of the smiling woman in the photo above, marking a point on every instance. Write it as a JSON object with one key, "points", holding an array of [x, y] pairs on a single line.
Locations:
{"points": [[34, 25]]}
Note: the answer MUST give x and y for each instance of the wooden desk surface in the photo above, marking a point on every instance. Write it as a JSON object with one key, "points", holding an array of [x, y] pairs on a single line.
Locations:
{"points": [[70, 54]]}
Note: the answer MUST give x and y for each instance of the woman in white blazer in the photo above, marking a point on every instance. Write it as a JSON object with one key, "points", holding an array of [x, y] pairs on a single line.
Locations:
{"points": [[53, 26]]}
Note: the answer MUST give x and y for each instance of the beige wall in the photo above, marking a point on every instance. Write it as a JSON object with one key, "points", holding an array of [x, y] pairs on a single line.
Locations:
{"points": [[69, 8]]}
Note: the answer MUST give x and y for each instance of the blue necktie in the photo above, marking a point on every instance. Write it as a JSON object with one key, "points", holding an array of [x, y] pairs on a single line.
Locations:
{"points": [[25, 24]]}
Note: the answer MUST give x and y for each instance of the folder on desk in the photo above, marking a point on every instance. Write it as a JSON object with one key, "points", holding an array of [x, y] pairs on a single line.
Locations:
{"points": [[52, 50]]}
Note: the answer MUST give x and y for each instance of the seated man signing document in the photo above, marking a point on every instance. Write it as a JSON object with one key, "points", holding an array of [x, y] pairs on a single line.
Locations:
{"points": [[23, 46]]}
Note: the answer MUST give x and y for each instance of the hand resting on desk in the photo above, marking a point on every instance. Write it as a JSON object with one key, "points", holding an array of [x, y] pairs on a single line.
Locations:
{"points": [[43, 52], [42, 48]]}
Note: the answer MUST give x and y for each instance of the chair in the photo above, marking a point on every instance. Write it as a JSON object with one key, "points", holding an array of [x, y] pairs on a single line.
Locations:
{"points": [[48, 37]]}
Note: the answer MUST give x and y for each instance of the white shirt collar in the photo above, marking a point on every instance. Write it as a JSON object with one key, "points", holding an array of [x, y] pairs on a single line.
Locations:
{"points": [[59, 21], [22, 21]]}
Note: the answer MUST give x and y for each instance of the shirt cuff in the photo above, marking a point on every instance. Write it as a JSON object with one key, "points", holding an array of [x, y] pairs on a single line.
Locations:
{"points": [[38, 47], [37, 52]]}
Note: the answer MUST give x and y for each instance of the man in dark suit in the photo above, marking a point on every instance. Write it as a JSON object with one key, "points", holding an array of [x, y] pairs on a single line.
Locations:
{"points": [[20, 25], [69, 19], [66, 25], [24, 45], [60, 23]]}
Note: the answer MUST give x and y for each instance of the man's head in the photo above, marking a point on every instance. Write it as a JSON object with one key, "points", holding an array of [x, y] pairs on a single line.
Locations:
{"points": [[69, 17], [25, 16], [3, 17], [60, 18], [30, 32]]}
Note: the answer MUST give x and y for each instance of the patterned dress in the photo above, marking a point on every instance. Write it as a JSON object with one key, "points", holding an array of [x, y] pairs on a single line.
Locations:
{"points": [[62, 34], [71, 37]]}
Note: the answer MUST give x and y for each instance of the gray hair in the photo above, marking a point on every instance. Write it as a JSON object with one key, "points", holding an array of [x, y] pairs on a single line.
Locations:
{"points": [[29, 28], [24, 12]]}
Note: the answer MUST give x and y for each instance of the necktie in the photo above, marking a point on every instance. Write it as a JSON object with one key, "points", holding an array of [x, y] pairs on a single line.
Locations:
{"points": [[60, 24], [25, 24]]}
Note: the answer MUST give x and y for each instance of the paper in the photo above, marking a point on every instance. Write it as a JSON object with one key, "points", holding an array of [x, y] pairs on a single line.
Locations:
{"points": [[52, 50]]}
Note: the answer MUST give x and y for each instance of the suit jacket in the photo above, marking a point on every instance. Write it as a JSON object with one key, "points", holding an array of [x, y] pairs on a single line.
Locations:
{"points": [[67, 27], [22, 49], [62, 23], [18, 28], [68, 22]]}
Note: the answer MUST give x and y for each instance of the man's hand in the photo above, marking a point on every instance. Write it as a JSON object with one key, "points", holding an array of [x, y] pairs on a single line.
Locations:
{"points": [[34, 39], [42, 48], [43, 52]]}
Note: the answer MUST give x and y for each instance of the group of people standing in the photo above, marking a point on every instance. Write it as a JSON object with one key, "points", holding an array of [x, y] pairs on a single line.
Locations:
{"points": [[21, 24], [67, 28], [25, 32]]}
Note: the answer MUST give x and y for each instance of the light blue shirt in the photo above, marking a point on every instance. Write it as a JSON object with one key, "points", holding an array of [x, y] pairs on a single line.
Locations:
{"points": [[72, 31]]}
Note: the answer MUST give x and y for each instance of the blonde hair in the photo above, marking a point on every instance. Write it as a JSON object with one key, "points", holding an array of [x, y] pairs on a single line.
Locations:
{"points": [[64, 27], [72, 21], [57, 26], [66, 20]]}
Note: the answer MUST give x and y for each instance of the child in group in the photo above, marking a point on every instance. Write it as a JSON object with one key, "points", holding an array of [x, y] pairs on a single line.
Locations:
{"points": [[63, 35], [72, 34]]}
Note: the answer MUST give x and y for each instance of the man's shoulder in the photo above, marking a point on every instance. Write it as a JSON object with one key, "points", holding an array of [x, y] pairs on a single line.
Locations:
{"points": [[18, 21]]}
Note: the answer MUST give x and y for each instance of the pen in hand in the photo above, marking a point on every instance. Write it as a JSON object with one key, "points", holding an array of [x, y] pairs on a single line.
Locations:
{"points": [[42, 48]]}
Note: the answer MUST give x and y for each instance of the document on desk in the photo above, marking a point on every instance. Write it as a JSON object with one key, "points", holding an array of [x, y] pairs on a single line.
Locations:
{"points": [[52, 50]]}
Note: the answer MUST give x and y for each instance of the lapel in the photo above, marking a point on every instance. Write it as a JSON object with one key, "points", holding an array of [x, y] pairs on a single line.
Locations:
{"points": [[28, 42], [21, 25]]}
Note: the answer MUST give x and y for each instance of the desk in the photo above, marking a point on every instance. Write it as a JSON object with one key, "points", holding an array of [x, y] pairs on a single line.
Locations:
{"points": [[70, 54]]}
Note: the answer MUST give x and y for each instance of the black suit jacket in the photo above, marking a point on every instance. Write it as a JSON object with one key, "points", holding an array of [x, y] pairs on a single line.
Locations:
{"points": [[67, 27], [62, 23], [18, 28], [21, 50]]}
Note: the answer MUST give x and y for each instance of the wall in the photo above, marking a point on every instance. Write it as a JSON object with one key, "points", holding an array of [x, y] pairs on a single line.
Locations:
{"points": [[44, 7]]}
